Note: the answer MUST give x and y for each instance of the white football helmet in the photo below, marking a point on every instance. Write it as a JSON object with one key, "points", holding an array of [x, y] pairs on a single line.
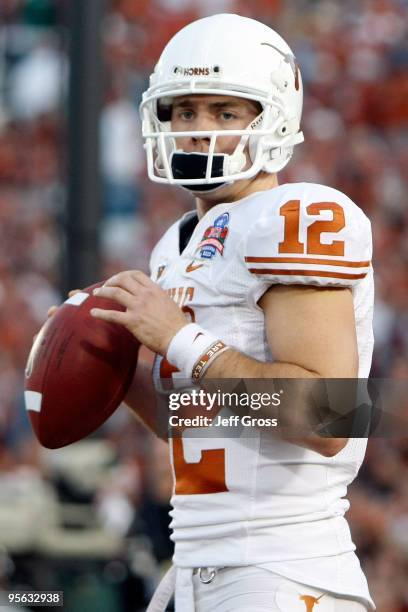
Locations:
{"points": [[223, 55]]}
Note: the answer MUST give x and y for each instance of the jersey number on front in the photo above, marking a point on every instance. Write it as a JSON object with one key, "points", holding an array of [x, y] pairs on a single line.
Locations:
{"points": [[204, 476]]}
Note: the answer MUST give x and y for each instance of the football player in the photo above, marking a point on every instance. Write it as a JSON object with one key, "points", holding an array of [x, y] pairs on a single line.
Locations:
{"points": [[261, 281]]}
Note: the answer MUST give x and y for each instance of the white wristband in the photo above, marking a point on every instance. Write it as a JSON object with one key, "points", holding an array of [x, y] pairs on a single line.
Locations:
{"points": [[192, 349]]}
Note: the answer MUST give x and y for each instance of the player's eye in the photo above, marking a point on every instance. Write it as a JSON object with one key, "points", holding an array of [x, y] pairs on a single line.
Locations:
{"points": [[186, 115], [227, 116]]}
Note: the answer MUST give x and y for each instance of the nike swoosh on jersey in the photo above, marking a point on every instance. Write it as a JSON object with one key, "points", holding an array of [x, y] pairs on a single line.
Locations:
{"points": [[191, 267]]}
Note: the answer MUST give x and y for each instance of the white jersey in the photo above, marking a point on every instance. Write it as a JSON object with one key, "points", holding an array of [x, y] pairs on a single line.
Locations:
{"points": [[254, 499]]}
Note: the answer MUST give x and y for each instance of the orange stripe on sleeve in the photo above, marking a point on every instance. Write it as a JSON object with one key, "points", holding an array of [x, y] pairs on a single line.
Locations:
{"points": [[309, 260], [322, 273]]}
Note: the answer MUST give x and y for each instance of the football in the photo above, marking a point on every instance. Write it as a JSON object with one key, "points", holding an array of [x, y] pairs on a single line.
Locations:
{"points": [[78, 371]]}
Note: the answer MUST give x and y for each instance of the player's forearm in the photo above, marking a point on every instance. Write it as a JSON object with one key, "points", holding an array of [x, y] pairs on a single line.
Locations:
{"points": [[141, 399], [233, 364]]}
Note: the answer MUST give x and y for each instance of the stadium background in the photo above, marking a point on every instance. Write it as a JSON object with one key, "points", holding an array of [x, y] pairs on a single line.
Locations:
{"points": [[92, 519]]}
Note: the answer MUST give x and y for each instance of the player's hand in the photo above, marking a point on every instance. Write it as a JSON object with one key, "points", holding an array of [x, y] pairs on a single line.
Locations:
{"points": [[151, 316], [53, 309]]}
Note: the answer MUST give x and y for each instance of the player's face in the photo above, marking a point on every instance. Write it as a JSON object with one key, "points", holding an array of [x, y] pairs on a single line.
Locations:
{"points": [[211, 112]]}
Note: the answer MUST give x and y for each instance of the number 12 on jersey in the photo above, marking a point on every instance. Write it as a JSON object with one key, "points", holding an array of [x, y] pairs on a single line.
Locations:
{"points": [[291, 240]]}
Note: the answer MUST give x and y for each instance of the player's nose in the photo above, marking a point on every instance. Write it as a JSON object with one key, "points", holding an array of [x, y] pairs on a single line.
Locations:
{"points": [[201, 144], [203, 123]]}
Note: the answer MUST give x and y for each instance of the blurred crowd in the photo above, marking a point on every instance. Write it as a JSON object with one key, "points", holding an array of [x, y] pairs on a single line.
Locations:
{"points": [[354, 61]]}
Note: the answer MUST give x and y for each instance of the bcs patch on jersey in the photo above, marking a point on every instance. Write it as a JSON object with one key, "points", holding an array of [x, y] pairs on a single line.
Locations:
{"points": [[214, 237]]}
